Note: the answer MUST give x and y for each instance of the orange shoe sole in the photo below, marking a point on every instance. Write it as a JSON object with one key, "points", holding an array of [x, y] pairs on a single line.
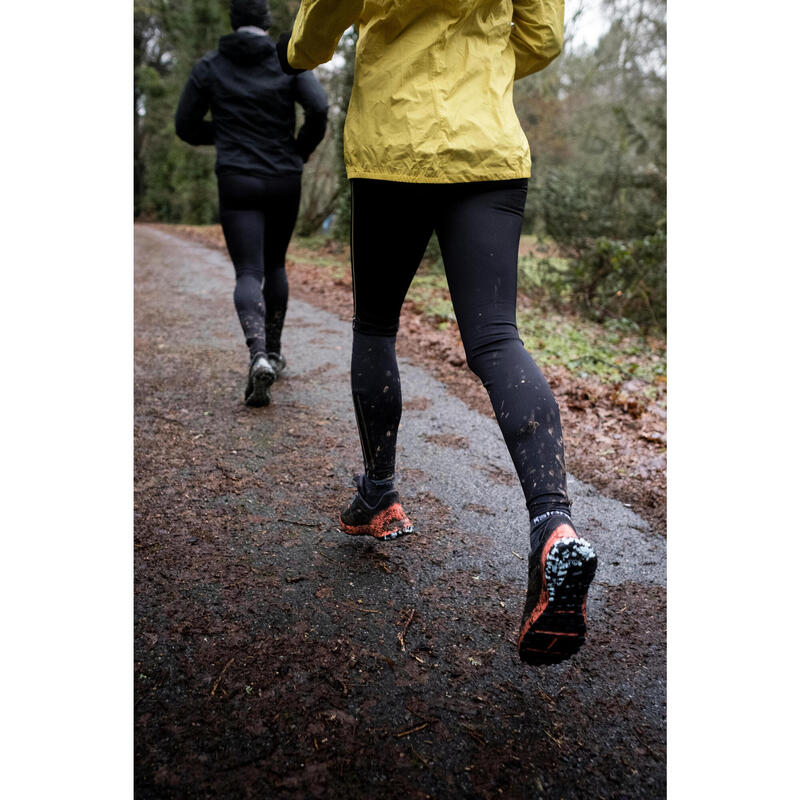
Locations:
{"points": [[556, 628], [387, 524]]}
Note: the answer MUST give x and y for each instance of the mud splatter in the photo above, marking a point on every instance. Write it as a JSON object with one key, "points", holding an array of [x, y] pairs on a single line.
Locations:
{"points": [[450, 440]]}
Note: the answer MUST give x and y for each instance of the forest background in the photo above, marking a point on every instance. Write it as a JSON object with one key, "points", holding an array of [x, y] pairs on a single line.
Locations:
{"points": [[595, 118]]}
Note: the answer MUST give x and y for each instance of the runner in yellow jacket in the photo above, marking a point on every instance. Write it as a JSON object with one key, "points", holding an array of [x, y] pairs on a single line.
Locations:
{"points": [[432, 143], [420, 111]]}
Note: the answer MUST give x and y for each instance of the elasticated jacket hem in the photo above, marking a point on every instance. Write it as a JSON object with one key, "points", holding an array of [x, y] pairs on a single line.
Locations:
{"points": [[464, 177], [256, 170]]}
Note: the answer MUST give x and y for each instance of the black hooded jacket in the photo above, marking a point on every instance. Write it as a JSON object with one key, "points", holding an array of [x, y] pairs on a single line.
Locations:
{"points": [[252, 108]]}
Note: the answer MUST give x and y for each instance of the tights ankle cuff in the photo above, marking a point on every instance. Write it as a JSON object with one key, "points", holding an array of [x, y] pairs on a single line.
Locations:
{"points": [[373, 490], [544, 524]]}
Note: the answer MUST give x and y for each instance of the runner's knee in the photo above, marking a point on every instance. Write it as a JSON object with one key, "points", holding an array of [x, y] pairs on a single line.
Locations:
{"points": [[375, 327], [485, 353], [245, 275]]}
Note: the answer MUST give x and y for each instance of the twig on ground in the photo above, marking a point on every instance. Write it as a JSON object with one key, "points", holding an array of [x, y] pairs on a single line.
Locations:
{"points": [[418, 755], [546, 697], [412, 730], [166, 419], [220, 676], [251, 453], [299, 522], [357, 607], [473, 733], [557, 741], [401, 635], [226, 472]]}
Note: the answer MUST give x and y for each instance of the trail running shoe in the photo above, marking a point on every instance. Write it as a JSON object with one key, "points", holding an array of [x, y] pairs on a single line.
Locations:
{"points": [[554, 620], [385, 520], [277, 362], [260, 378]]}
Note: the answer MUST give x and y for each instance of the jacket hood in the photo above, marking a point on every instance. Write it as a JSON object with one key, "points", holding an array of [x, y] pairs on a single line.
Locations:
{"points": [[246, 48]]}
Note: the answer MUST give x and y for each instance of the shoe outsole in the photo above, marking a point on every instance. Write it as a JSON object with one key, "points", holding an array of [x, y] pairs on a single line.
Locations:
{"points": [[405, 531], [393, 518], [260, 380], [556, 628]]}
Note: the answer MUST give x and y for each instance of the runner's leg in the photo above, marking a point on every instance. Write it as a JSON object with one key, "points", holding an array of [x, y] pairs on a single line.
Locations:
{"points": [[280, 212], [479, 232], [242, 218], [391, 225]]}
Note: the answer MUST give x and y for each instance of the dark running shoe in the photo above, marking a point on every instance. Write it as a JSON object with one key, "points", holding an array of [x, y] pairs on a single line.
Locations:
{"points": [[261, 377], [277, 362], [554, 619], [385, 520]]}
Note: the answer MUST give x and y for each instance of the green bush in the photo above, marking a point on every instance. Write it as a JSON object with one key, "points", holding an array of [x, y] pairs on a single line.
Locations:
{"points": [[611, 227], [623, 279]]}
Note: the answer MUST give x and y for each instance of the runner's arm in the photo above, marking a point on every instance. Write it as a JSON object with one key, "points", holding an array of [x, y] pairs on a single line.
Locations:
{"points": [[192, 107], [318, 28], [538, 34], [311, 96]]}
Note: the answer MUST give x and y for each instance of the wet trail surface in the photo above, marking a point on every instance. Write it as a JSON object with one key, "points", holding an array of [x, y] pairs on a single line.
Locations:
{"points": [[276, 657]]}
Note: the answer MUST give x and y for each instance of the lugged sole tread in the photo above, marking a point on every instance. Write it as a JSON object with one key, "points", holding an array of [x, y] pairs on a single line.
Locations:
{"points": [[404, 531], [259, 394], [560, 628]]}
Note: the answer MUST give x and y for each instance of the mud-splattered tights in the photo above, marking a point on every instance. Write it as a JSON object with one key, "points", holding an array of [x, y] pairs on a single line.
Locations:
{"points": [[258, 216], [478, 226]]}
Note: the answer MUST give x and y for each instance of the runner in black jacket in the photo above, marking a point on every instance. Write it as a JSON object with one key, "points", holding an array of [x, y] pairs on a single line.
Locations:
{"points": [[259, 168]]}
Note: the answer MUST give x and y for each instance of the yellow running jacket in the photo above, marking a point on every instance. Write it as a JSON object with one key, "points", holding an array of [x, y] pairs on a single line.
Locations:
{"points": [[432, 93]]}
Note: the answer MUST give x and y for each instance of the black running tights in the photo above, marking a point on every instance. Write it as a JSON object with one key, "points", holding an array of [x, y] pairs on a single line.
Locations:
{"points": [[478, 226], [258, 216]]}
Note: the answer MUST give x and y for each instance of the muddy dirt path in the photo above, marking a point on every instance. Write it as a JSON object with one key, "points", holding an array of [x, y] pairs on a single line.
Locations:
{"points": [[269, 660]]}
